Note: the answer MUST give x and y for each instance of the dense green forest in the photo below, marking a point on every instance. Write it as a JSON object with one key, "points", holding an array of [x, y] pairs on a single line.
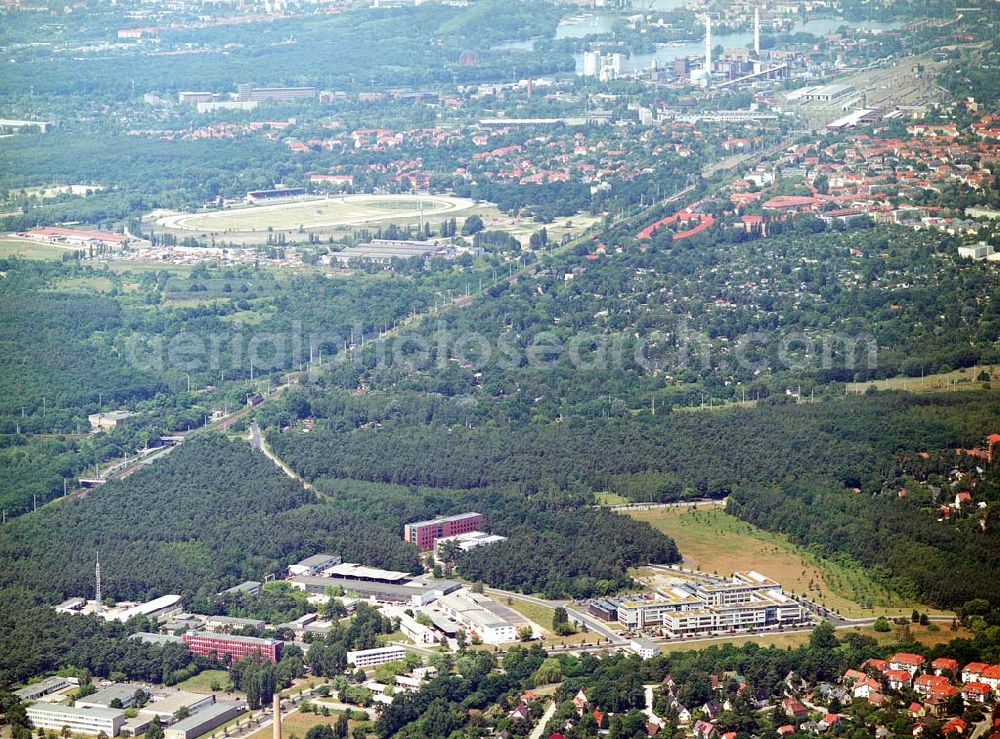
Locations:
{"points": [[786, 467], [669, 456], [214, 513]]}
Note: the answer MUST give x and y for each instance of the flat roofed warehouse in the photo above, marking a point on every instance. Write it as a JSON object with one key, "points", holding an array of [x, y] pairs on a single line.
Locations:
{"points": [[205, 720], [42, 688], [414, 593], [383, 250]]}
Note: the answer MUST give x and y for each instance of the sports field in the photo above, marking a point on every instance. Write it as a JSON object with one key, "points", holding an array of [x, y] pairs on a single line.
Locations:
{"points": [[319, 213], [713, 541]]}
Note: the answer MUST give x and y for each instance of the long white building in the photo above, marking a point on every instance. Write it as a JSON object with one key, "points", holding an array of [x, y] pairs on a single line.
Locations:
{"points": [[746, 601], [79, 720], [373, 657]]}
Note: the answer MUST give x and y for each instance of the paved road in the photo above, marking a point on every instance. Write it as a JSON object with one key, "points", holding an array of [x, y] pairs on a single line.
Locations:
{"points": [[539, 729]]}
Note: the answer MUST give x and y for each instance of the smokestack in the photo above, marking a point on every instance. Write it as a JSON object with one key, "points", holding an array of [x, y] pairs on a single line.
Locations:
{"points": [[756, 31], [708, 46], [277, 716]]}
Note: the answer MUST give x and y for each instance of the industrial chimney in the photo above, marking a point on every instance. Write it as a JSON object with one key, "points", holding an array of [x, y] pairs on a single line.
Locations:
{"points": [[756, 31], [277, 716], [708, 47]]}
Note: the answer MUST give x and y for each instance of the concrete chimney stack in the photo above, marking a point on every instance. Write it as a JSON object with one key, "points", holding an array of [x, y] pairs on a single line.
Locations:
{"points": [[708, 46], [756, 31], [277, 716]]}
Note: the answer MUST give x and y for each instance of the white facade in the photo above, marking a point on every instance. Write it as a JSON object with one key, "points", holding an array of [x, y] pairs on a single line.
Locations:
{"points": [[79, 720], [982, 250], [645, 648], [479, 616], [373, 657], [746, 601]]}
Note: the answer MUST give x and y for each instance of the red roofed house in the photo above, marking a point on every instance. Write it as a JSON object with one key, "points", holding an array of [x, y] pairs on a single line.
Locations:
{"points": [[944, 664], [867, 687], [991, 676], [898, 679], [790, 202], [976, 692], [852, 676], [962, 498], [793, 708], [830, 721], [944, 691], [874, 665], [955, 726], [786, 730], [598, 716], [916, 710], [520, 713], [925, 684], [912, 663], [704, 730], [972, 671]]}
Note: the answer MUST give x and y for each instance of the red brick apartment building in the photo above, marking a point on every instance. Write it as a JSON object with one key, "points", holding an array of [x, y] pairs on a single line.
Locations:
{"points": [[231, 648], [425, 533]]}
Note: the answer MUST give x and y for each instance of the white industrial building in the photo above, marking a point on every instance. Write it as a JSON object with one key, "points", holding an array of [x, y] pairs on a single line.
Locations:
{"points": [[162, 606], [314, 565], [645, 648], [373, 657], [91, 721], [478, 615], [467, 541]]}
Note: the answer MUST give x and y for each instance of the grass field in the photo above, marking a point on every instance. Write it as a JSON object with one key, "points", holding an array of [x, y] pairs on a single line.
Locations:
{"points": [[202, 682], [347, 210], [713, 541], [89, 284], [30, 249], [964, 379], [610, 499], [796, 639], [298, 723], [542, 616]]}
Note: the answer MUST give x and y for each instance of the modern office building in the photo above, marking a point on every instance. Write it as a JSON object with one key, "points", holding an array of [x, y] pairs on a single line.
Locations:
{"points": [[249, 92], [425, 533], [373, 657], [465, 542], [230, 648], [746, 601], [91, 721]]}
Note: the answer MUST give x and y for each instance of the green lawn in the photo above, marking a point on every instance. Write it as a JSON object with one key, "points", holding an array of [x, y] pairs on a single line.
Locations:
{"points": [[610, 499], [30, 249], [963, 379], [202, 682]]}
